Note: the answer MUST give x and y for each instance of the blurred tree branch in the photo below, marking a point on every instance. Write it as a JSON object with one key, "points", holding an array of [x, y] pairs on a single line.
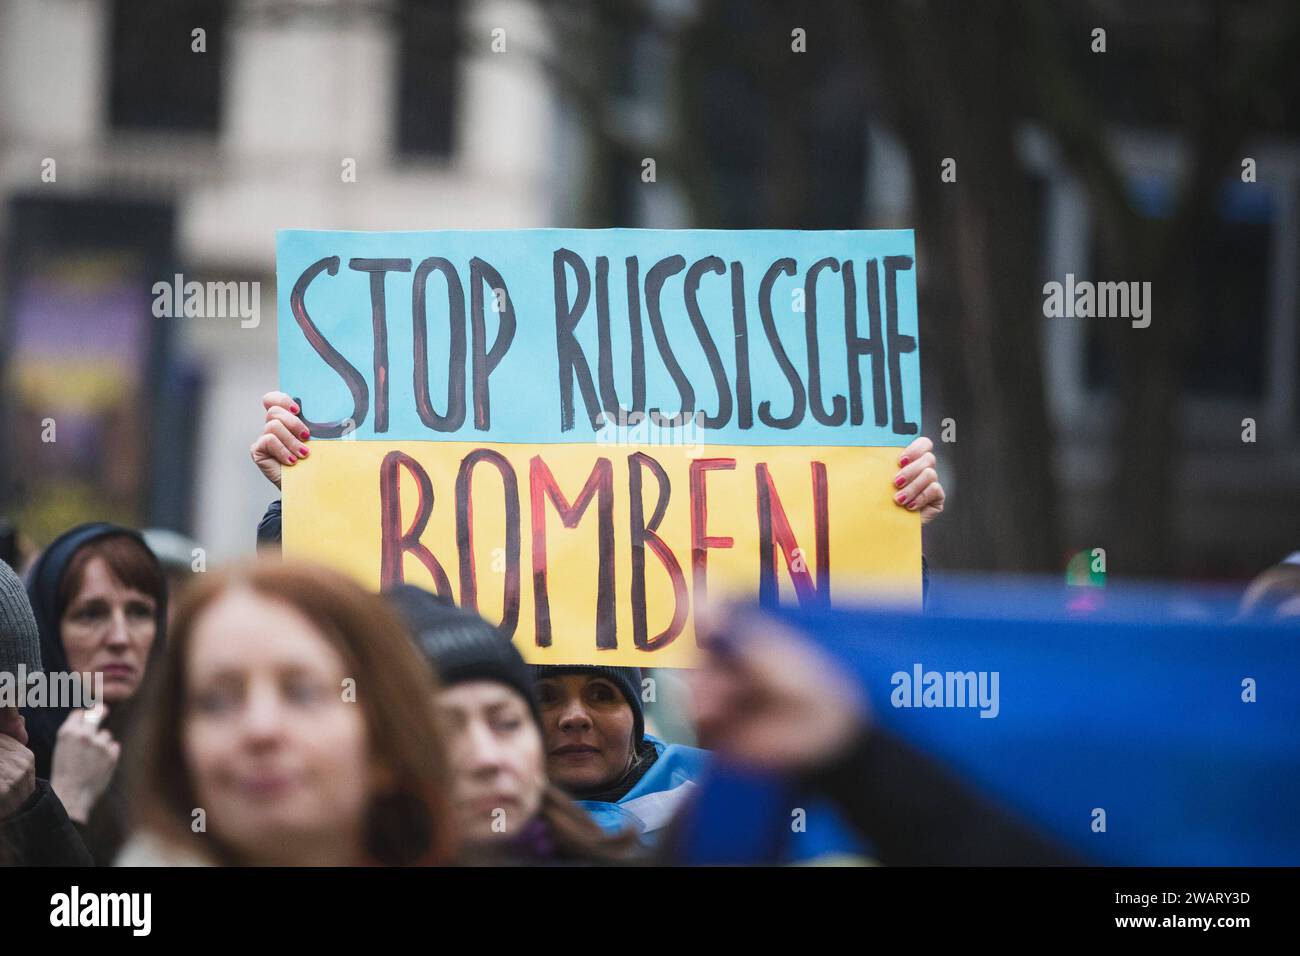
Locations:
{"points": [[962, 81], [580, 54], [940, 79], [1250, 49]]}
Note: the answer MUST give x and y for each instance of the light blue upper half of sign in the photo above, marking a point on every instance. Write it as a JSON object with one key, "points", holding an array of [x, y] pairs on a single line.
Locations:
{"points": [[524, 391]]}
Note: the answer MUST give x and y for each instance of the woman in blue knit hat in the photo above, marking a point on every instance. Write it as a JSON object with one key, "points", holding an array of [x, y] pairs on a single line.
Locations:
{"points": [[597, 749]]}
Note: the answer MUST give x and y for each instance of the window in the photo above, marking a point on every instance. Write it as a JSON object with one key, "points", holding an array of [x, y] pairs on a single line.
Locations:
{"points": [[1229, 273], [428, 33], [157, 80], [791, 154]]}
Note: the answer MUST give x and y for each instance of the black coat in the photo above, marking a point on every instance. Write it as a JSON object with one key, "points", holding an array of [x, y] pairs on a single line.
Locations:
{"points": [[916, 812], [105, 830], [40, 834]]}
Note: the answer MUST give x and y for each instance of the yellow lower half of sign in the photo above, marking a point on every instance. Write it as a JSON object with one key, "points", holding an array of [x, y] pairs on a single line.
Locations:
{"points": [[591, 553]]}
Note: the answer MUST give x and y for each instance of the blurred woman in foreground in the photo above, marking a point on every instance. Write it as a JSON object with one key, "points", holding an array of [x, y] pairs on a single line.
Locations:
{"points": [[293, 725]]}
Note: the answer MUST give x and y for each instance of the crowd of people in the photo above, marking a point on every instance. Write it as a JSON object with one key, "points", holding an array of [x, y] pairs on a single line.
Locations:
{"points": [[280, 714]]}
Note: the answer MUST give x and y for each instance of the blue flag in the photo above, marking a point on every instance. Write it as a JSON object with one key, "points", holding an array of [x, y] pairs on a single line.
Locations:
{"points": [[1140, 727]]}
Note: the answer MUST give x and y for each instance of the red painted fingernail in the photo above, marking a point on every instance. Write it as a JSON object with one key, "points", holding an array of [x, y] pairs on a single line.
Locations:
{"points": [[898, 482], [303, 452], [304, 434], [900, 498], [294, 409], [292, 459], [902, 462], [911, 506]]}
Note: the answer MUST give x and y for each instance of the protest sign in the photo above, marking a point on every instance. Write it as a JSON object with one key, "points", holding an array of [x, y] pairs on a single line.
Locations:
{"points": [[583, 433]]}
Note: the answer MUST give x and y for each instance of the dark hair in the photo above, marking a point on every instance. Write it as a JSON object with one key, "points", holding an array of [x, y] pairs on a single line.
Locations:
{"points": [[626, 680], [53, 583], [580, 836], [577, 837], [412, 824], [129, 560]]}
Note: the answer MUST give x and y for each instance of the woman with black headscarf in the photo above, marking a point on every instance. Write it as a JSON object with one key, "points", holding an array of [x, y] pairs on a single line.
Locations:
{"points": [[100, 600]]}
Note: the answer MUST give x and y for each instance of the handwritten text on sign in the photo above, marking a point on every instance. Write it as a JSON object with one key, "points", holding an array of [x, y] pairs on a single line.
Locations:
{"points": [[583, 432]]}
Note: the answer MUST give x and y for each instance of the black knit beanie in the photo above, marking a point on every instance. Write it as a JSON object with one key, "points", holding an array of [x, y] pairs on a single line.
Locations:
{"points": [[459, 644], [626, 679], [20, 641]]}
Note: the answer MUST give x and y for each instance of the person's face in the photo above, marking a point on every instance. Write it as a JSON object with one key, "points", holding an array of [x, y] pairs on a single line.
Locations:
{"points": [[109, 628], [588, 730], [496, 758], [277, 757]]}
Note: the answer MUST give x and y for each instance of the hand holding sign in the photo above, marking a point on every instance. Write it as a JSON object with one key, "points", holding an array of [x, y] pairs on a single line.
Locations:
{"points": [[917, 476], [768, 387], [284, 437], [919, 481]]}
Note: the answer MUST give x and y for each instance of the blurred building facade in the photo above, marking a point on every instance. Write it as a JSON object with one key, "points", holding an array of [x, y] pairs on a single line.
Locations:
{"points": [[792, 141], [459, 115], [329, 115]]}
